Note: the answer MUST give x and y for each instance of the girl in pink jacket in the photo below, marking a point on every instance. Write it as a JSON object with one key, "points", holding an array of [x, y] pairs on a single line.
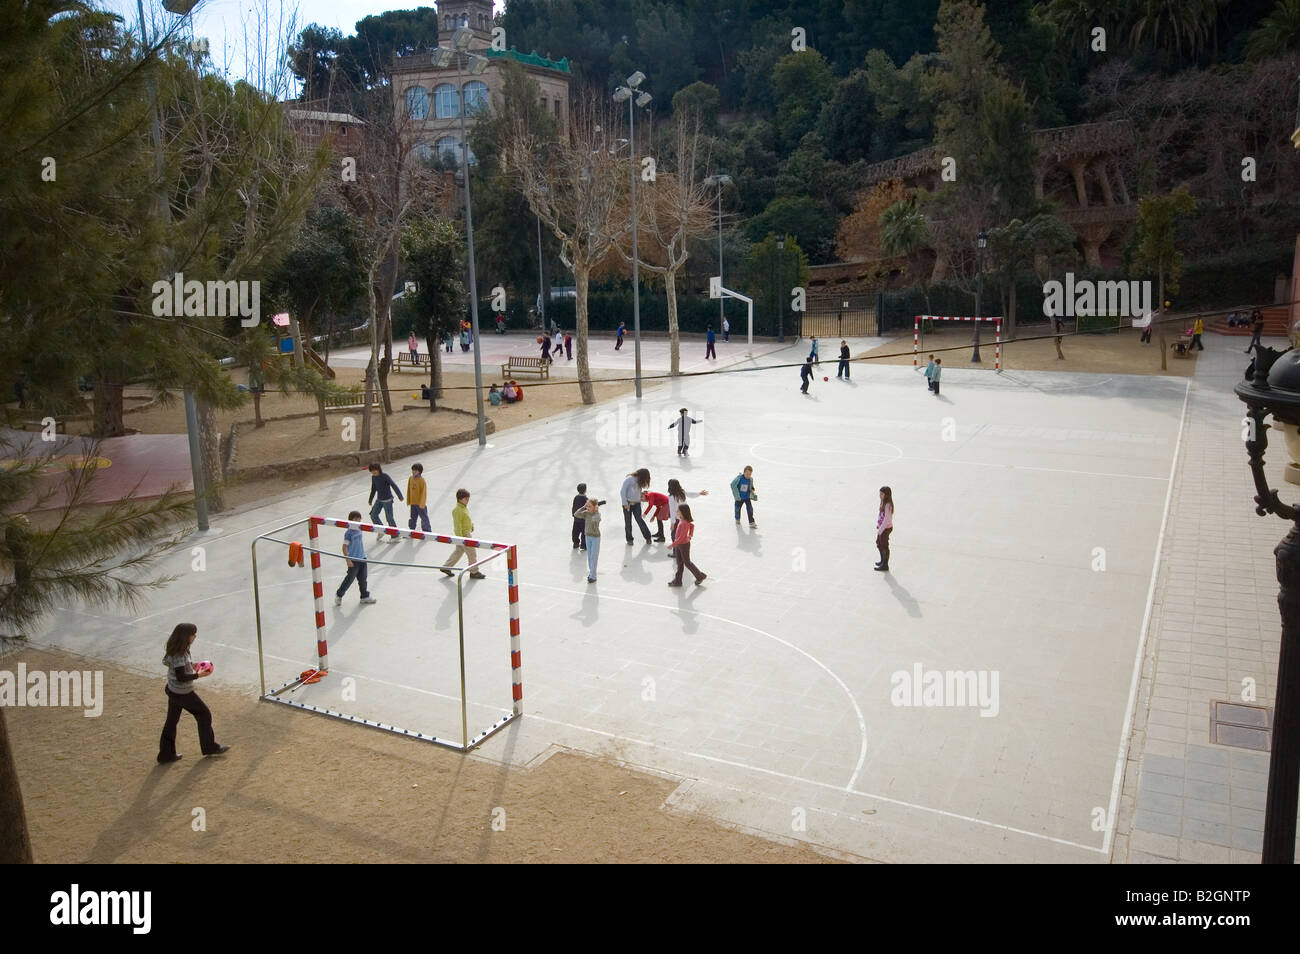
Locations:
{"points": [[681, 547]]}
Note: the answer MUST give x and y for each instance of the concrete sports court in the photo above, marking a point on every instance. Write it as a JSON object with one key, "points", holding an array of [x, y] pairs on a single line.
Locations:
{"points": [[1029, 508]]}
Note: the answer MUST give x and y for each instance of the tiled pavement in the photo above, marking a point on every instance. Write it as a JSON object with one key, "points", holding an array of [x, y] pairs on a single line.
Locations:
{"points": [[1214, 624]]}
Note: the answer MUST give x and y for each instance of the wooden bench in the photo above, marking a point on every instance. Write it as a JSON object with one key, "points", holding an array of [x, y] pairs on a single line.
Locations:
{"points": [[348, 401], [522, 365], [404, 360]]}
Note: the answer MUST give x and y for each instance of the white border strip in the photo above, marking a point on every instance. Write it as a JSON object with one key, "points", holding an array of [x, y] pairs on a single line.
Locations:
{"points": [[1124, 735]]}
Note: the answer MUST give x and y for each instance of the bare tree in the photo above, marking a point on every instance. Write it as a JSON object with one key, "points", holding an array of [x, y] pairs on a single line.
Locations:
{"points": [[577, 187], [393, 184], [674, 208]]}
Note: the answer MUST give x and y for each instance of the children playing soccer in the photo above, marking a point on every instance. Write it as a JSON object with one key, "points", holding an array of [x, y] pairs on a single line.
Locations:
{"points": [[683, 425], [417, 495], [742, 491], [579, 523], [658, 505], [382, 489], [681, 547], [354, 551], [463, 526]]}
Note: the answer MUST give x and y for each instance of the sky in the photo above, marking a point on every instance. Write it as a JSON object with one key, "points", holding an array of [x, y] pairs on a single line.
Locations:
{"points": [[226, 23]]}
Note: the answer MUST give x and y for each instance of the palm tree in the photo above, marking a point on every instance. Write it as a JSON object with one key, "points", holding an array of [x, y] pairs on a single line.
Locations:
{"points": [[1277, 33], [904, 231], [1172, 24]]}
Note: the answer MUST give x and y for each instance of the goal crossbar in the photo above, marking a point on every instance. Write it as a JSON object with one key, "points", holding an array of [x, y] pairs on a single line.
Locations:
{"points": [[314, 523], [916, 335]]}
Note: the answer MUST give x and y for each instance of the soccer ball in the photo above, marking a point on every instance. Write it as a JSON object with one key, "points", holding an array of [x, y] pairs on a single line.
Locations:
{"points": [[540, 339], [824, 378]]}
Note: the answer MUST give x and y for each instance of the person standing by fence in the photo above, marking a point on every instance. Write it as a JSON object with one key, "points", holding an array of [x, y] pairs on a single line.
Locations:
{"points": [[709, 350], [843, 372]]}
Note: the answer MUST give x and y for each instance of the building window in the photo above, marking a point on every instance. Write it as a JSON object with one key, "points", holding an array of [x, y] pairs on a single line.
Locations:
{"points": [[423, 152], [446, 23], [417, 102], [448, 149], [476, 97], [343, 131], [558, 114], [444, 101]]}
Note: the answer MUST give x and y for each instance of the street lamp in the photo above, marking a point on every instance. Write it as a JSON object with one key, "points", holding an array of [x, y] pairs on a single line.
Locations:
{"points": [[1272, 387], [641, 99], [983, 242], [719, 181], [475, 64], [780, 300]]}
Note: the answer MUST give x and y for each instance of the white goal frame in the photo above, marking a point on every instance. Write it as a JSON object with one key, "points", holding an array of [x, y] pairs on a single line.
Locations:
{"points": [[314, 523], [916, 335]]}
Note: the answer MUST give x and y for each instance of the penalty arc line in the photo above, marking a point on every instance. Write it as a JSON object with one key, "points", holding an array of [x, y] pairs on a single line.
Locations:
{"points": [[862, 722]]}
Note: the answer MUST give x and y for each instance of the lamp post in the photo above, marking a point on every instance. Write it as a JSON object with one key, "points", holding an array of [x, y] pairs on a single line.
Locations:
{"points": [[719, 181], [641, 99], [443, 57], [1272, 388], [541, 281], [780, 300], [982, 242]]}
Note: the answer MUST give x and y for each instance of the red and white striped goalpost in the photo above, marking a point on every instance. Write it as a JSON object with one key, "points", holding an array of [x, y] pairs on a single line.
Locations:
{"points": [[314, 524], [916, 335]]}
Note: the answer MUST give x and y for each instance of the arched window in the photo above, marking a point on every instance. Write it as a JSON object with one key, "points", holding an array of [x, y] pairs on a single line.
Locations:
{"points": [[423, 151], [444, 101], [448, 149], [476, 97], [446, 22], [417, 102]]}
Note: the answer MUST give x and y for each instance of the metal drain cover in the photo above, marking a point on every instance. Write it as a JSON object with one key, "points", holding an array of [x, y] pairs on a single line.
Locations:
{"points": [[1241, 725]]}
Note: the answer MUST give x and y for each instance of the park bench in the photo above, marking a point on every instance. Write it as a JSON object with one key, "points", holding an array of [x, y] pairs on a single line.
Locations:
{"points": [[404, 360], [347, 401], [523, 365]]}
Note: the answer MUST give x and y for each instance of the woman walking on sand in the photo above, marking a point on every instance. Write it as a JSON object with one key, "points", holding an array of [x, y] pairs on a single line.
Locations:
{"points": [[181, 674], [884, 527], [681, 547]]}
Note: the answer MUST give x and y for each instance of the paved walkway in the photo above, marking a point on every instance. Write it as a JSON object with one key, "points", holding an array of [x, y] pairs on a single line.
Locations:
{"points": [[1214, 623]]}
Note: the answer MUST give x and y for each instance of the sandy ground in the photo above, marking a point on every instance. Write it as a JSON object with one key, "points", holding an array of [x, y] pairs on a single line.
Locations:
{"points": [[302, 788], [1120, 353]]}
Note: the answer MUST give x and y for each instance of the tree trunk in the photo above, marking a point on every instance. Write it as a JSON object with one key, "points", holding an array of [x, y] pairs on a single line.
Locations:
{"points": [[257, 408], [15, 843], [366, 397], [433, 374], [210, 451], [670, 284], [581, 281], [320, 408], [108, 409], [387, 280], [435, 360], [329, 338], [1009, 326]]}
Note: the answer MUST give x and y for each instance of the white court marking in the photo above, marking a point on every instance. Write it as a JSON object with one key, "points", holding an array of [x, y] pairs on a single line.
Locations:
{"points": [[1127, 728]]}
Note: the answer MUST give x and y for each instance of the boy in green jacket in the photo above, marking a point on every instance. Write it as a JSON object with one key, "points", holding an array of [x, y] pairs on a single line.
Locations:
{"points": [[463, 526]]}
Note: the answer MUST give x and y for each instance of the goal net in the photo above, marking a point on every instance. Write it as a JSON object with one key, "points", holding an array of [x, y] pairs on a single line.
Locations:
{"points": [[403, 664], [916, 335]]}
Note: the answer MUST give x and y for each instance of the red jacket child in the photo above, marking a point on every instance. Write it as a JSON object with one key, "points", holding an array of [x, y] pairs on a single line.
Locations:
{"points": [[657, 503]]}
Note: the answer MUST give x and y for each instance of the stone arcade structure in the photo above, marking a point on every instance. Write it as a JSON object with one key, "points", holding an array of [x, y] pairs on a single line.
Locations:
{"points": [[1080, 167]]}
